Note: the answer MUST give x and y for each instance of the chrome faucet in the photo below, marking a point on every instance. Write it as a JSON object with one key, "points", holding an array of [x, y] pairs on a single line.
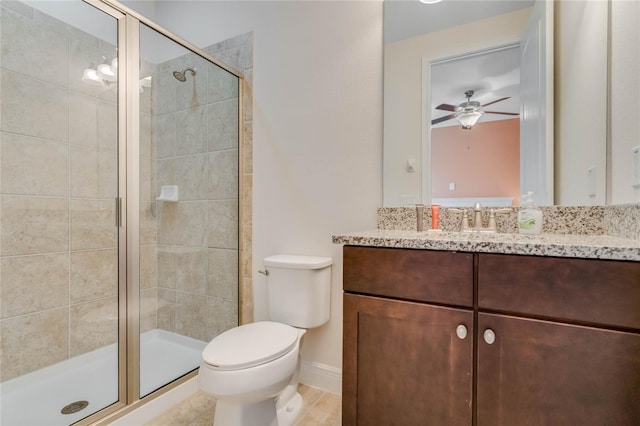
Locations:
{"points": [[477, 219]]}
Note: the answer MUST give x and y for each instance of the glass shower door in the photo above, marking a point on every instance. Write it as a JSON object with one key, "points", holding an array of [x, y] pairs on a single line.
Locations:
{"points": [[188, 207], [59, 255]]}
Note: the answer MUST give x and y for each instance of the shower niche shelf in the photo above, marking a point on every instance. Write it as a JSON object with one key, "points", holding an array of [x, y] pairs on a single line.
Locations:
{"points": [[168, 193]]}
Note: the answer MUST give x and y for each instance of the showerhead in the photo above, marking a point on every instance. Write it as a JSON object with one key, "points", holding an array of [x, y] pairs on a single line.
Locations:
{"points": [[181, 75]]}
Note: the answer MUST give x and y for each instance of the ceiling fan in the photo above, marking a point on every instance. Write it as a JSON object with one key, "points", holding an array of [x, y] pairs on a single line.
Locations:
{"points": [[468, 113]]}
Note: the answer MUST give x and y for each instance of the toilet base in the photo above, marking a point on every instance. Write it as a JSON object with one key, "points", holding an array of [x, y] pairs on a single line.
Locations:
{"points": [[289, 413], [262, 413]]}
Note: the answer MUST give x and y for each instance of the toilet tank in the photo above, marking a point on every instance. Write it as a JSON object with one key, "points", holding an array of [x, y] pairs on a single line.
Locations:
{"points": [[299, 289]]}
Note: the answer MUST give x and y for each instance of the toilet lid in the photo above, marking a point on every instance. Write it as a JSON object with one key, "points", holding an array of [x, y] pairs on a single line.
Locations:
{"points": [[250, 345]]}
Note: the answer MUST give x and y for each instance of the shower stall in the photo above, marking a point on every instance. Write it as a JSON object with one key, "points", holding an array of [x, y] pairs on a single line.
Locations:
{"points": [[119, 213]]}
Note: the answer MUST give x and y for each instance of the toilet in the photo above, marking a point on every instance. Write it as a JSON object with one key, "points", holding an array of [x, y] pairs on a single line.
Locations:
{"points": [[252, 369]]}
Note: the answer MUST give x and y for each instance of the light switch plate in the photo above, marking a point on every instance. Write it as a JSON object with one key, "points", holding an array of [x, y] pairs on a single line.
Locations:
{"points": [[591, 181], [635, 168]]}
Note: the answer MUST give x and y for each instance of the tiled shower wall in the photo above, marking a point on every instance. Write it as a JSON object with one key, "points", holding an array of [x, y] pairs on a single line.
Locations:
{"points": [[197, 150], [58, 257]]}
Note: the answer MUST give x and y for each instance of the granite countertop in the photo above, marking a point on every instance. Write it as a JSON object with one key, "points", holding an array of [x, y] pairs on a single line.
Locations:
{"points": [[561, 245]]}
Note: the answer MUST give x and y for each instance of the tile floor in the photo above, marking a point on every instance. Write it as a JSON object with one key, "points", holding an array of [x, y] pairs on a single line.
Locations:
{"points": [[320, 409]]}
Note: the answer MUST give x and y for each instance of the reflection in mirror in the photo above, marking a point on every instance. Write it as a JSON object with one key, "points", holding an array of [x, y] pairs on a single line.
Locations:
{"points": [[462, 150], [594, 113]]}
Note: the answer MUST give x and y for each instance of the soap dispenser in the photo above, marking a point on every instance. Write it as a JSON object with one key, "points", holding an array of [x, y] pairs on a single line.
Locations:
{"points": [[529, 216]]}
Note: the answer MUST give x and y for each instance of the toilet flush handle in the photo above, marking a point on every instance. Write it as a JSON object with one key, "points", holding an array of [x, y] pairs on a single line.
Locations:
{"points": [[265, 272]]}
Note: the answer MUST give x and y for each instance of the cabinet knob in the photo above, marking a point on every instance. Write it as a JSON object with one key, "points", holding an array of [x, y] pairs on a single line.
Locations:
{"points": [[461, 332], [489, 336]]}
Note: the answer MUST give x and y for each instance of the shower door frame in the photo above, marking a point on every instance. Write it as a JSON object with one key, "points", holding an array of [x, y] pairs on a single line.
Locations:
{"points": [[127, 205]]}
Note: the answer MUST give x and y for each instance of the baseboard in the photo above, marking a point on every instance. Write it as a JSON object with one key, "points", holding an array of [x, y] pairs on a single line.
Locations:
{"points": [[321, 376], [159, 405]]}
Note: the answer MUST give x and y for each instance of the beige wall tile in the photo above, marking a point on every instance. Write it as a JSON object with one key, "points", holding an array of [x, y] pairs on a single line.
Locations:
{"points": [[167, 266], [239, 51], [148, 225], [221, 315], [191, 316], [247, 155], [165, 87], [33, 225], [247, 226], [34, 341], [191, 131], [83, 120], [93, 325], [223, 175], [191, 176], [222, 85], [94, 275], [33, 283], [167, 309], [183, 223], [47, 51], [148, 180], [34, 108], [247, 97], [93, 172], [148, 266], [223, 125], [107, 125], [146, 125], [93, 224], [223, 224], [148, 309], [18, 7], [166, 170], [223, 274], [191, 270], [165, 134], [34, 166]]}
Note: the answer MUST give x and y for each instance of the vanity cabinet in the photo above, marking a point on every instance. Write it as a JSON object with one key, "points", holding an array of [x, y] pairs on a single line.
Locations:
{"points": [[549, 341]]}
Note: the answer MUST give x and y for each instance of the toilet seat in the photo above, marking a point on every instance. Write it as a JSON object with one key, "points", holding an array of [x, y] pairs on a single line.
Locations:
{"points": [[250, 345]]}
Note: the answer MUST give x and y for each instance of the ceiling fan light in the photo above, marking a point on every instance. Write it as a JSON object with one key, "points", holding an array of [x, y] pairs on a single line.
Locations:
{"points": [[468, 119]]}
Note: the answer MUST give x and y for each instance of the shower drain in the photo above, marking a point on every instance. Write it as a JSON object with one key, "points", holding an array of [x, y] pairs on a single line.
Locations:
{"points": [[74, 407]]}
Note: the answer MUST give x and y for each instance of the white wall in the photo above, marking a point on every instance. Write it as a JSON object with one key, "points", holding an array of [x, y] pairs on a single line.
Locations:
{"points": [[403, 70], [580, 100], [317, 128], [625, 98]]}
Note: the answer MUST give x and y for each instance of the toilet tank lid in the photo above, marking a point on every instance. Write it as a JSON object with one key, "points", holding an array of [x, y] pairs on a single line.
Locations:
{"points": [[297, 262]]}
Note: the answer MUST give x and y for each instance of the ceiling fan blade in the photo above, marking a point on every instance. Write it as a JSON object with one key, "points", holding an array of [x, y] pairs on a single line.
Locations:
{"points": [[447, 107], [503, 113], [441, 119], [497, 100]]}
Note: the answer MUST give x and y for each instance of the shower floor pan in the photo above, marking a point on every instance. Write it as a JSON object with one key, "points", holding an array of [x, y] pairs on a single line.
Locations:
{"points": [[37, 398]]}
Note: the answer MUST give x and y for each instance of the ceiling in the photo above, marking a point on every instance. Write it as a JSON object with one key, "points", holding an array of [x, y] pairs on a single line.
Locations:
{"points": [[492, 75], [409, 18]]}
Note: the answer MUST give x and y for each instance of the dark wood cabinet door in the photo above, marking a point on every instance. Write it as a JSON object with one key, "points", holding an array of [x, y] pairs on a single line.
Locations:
{"points": [[543, 373], [404, 363]]}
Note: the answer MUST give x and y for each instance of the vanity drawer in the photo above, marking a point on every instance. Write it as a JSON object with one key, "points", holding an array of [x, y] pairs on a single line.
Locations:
{"points": [[603, 292], [420, 275]]}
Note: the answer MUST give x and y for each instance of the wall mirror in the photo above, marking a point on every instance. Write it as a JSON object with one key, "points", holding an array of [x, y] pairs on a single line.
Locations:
{"points": [[585, 154]]}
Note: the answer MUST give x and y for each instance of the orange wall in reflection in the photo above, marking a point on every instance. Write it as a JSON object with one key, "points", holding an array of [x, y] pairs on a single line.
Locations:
{"points": [[482, 162]]}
